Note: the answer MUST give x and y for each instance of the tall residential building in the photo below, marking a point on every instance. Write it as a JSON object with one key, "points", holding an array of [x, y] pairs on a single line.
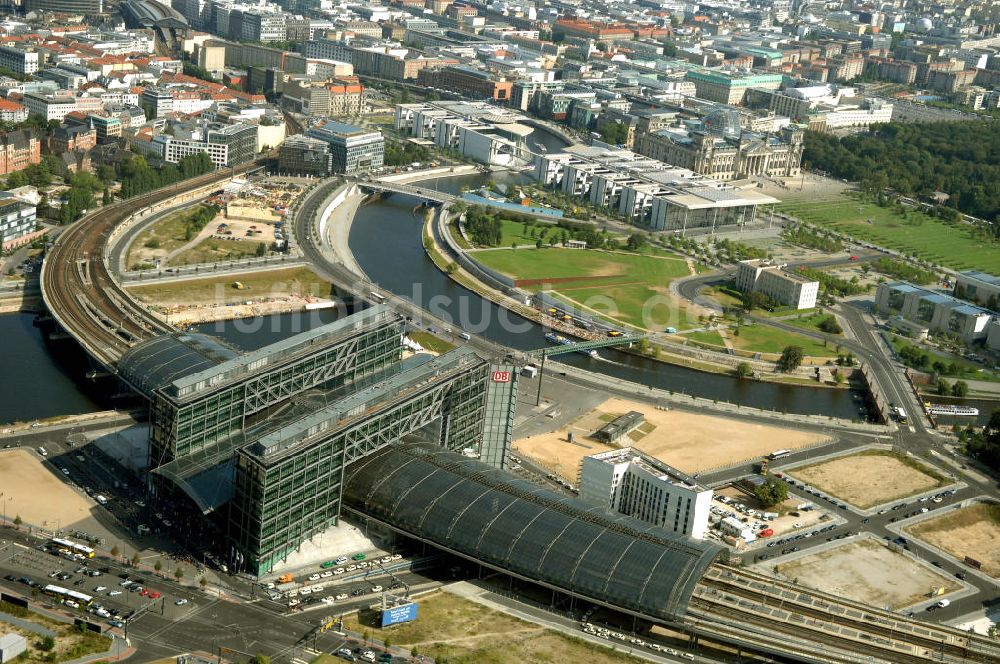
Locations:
{"points": [[787, 287], [355, 149], [635, 484], [19, 60]]}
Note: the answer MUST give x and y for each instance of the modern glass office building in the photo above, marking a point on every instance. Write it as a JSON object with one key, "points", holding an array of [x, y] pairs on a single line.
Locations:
{"points": [[289, 482], [262, 439], [201, 392]]}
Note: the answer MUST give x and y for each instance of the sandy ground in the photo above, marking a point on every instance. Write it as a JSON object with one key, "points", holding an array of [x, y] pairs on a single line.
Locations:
{"points": [[181, 316], [966, 532], [37, 494], [866, 480], [867, 571], [690, 442], [808, 187]]}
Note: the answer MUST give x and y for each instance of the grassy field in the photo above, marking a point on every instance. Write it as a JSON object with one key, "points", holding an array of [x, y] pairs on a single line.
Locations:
{"points": [[168, 233], [809, 322], [219, 288], [765, 339], [430, 342], [214, 250], [463, 632], [705, 336], [927, 237], [626, 287]]}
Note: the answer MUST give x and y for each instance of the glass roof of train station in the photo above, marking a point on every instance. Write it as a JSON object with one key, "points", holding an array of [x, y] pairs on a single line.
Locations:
{"points": [[473, 509]]}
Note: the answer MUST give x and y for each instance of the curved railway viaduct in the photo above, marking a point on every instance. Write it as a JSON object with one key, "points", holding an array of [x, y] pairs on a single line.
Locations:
{"points": [[747, 610], [77, 285]]}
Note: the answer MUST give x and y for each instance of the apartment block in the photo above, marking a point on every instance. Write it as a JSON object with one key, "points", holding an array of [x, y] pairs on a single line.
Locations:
{"points": [[635, 484], [19, 60]]}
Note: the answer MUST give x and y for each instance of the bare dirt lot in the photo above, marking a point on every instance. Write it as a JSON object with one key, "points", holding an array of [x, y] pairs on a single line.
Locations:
{"points": [[870, 478], [687, 441], [867, 571], [972, 531], [36, 494]]}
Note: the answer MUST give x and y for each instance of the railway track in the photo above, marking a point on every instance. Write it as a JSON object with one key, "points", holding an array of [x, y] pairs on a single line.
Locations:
{"points": [[775, 606], [81, 293]]}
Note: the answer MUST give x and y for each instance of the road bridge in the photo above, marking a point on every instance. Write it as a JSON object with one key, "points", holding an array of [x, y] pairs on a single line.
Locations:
{"points": [[382, 186]]}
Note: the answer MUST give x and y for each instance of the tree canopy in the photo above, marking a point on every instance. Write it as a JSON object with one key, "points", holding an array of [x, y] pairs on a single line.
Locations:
{"points": [[791, 358], [959, 158], [771, 492]]}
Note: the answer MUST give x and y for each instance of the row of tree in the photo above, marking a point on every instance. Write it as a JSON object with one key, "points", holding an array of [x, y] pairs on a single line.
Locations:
{"points": [[137, 177], [959, 158]]}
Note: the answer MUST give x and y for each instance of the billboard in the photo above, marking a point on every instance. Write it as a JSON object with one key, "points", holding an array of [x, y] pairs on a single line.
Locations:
{"points": [[399, 614]]}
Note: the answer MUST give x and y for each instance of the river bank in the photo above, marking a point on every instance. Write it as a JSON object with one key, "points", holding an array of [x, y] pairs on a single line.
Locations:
{"points": [[385, 240], [443, 251]]}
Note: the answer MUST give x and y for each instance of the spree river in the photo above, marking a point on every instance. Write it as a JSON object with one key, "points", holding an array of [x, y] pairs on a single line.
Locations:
{"points": [[386, 241], [45, 380]]}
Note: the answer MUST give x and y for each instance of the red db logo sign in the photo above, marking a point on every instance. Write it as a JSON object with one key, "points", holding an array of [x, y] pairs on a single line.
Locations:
{"points": [[501, 376]]}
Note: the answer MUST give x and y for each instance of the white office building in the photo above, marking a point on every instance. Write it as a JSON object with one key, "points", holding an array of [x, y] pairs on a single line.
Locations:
{"points": [[637, 485], [19, 60], [788, 288]]}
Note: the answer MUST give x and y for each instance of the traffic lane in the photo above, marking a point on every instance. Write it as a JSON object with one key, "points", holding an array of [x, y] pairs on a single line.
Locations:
{"points": [[244, 627], [359, 592]]}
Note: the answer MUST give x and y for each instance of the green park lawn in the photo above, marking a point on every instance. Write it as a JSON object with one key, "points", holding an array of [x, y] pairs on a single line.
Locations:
{"points": [[710, 337], [766, 339], [809, 322], [629, 288], [927, 237]]}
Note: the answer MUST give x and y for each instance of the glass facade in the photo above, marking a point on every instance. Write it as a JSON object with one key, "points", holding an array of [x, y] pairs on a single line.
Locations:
{"points": [[519, 527], [181, 428], [286, 494], [501, 402]]}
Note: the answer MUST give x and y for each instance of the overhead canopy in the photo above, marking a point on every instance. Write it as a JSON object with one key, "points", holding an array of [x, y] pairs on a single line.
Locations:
{"points": [[473, 509], [159, 361]]}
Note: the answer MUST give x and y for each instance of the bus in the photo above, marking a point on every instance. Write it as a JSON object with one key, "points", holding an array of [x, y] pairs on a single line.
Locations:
{"points": [[376, 298], [901, 415], [70, 546], [62, 593], [778, 454]]}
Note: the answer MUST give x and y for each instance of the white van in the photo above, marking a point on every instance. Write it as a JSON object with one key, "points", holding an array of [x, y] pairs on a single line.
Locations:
{"points": [[101, 499], [465, 335], [41, 450]]}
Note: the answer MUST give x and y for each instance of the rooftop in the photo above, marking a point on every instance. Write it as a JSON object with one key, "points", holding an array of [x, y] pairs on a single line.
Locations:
{"points": [[650, 464], [515, 525]]}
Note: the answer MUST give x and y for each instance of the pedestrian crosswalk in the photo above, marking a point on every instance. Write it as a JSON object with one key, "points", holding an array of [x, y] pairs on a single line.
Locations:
{"points": [[306, 655]]}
